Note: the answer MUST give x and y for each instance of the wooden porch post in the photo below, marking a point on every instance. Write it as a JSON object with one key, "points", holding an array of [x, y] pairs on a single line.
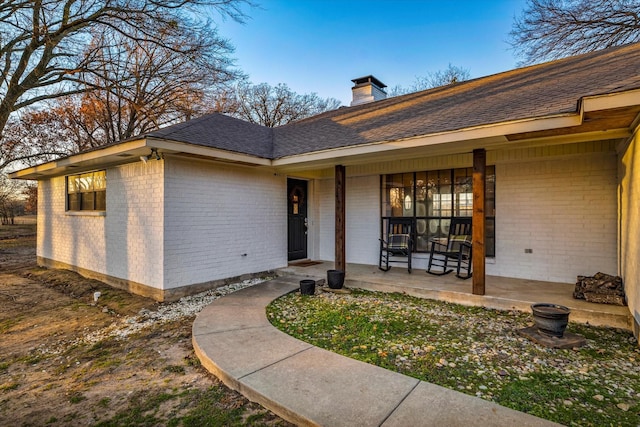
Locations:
{"points": [[478, 220], [340, 260]]}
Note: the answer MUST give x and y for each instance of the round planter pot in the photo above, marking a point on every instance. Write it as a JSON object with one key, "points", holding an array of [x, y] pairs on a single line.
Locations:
{"points": [[307, 287], [550, 319], [335, 279]]}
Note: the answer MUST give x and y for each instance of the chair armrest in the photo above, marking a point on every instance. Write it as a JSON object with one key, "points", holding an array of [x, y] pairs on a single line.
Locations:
{"points": [[437, 242], [466, 247]]}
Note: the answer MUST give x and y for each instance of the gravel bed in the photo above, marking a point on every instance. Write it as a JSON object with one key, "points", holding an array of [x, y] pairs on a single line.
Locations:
{"points": [[166, 312]]}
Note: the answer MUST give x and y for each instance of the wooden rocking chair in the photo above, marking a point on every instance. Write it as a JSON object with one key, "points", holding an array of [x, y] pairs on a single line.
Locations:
{"points": [[456, 249], [398, 243]]}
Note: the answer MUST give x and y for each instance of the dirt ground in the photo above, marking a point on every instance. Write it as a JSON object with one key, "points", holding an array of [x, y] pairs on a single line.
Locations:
{"points": [[58, 367]]}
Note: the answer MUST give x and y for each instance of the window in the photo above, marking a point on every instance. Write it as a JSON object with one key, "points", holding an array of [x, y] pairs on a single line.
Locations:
{"points": [[433, 198], [87, 191]]}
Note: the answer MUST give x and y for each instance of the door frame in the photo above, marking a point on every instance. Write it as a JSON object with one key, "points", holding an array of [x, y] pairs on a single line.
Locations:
{"points": [[295, 220]]}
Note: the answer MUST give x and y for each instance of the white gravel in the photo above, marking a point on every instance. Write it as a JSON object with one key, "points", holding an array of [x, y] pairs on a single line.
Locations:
{"points": [[185, 307]]}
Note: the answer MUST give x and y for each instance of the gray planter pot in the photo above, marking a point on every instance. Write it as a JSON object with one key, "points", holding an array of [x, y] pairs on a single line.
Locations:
{"points": [[335, 279], [550, 319], [307, 287]]}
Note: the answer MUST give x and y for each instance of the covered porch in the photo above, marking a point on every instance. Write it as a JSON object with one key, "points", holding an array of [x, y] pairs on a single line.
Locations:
{"points": [[502, 293]]}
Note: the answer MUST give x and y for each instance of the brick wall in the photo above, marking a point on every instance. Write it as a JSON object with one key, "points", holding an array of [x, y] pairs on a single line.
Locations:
{"points": [[564, 210], [629, 172], [177, 222], [326, 219], [222, 221], [125, 243], [362, 219], [76, 240], [134, 222]]}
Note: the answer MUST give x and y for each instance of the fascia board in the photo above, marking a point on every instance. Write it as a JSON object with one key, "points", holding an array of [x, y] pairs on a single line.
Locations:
{"points": [[199, 150], [611, 101], [97, 157], [91, 156], [494, 133]]}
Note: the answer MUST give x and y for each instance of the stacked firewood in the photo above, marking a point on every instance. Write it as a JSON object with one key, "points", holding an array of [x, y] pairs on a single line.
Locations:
{"points": [[601, 288]]}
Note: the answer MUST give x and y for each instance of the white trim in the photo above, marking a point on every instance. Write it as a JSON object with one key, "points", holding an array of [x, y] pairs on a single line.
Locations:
{"points": [[85, 213], [611, 100], [92, 159], [175, 147]]}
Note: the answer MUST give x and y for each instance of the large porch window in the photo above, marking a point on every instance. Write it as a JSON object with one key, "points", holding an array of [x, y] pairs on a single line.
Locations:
{"points": [[433, 198]]}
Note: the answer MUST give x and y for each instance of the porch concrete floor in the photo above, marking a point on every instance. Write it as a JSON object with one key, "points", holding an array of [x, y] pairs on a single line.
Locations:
{"points": [[502, 293]]}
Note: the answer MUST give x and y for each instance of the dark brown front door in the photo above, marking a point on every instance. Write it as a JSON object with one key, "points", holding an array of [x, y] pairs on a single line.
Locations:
{"points": [[297, 218]]}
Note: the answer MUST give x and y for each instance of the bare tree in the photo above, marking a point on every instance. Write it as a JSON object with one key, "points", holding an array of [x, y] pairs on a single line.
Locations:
{"points": [[30, 195], [551, 29], [36, 137], [10, 202], [144, 86], [46, 48], [271, 105], [450, 75]]}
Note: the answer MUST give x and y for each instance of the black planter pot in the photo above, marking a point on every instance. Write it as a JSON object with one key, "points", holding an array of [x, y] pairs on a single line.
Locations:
{"points": [[335, 279], [307, 287], [550, 319]]}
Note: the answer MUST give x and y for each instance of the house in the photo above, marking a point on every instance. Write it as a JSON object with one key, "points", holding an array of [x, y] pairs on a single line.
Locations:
{"points": [[180, 209]]}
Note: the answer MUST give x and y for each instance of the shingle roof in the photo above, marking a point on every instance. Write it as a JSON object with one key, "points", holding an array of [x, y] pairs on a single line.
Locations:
{"points": [[223, 132], [537, 91]]}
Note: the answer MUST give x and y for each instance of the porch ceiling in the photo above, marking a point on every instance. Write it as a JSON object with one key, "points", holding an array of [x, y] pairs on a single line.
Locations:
{"points": [[593, 121]]}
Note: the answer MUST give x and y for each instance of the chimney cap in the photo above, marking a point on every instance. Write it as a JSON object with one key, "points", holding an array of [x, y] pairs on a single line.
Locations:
{"points": [[368, 79]]}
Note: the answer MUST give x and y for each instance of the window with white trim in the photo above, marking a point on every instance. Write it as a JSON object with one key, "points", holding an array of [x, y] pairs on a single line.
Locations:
{"points": [[87, 191]]}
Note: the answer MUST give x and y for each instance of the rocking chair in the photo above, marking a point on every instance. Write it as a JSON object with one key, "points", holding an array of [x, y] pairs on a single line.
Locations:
{"points": [[398, 243], [456, 249]]}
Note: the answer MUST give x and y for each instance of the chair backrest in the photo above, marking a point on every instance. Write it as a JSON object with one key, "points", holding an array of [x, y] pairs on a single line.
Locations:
{"points": [[399, 232], [459, 232]]}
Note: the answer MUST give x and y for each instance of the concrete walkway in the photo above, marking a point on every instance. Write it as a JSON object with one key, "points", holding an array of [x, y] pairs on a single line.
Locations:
{"points": [[310, 386]]}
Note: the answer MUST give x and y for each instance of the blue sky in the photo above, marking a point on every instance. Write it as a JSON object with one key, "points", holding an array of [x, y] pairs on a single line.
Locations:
{"points": [[319, 46]]}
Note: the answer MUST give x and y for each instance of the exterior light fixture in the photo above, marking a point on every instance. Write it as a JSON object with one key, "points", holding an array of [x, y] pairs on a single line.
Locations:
{"points": [[154, 155]]}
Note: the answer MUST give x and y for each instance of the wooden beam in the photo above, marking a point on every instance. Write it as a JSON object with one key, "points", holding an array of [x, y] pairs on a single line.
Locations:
{"points": [[478, 220], [340, 260]]}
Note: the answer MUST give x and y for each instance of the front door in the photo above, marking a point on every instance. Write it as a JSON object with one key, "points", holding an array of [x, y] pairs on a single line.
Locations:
{"points": [[297, 218]]}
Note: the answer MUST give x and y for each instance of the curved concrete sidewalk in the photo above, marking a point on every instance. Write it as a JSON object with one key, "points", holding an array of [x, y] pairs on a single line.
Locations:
{"points": [[310, 386]]}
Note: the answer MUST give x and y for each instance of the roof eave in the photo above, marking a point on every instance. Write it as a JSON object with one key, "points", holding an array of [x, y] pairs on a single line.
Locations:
{"points": [[129, 152], [489, 136], [485, 135]]}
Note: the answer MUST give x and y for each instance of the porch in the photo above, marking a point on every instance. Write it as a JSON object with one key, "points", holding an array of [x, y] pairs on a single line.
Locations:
{"points": [[502, 293]]}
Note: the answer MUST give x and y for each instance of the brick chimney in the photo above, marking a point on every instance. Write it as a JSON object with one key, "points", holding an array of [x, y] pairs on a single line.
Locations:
{"points": [[367, 89]]}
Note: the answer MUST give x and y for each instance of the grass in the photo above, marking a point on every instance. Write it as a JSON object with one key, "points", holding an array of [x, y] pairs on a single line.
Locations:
{"points": [[14, 231], [475, 351], [203, 408]]}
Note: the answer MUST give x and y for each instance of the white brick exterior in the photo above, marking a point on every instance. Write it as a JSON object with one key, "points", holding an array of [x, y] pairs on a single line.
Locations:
{"points": [[170, 223], [125, 243], [629, 193], [134, 223], [327, 220], [178, 222], [362, 219], [564, 209], [222, 221]]}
